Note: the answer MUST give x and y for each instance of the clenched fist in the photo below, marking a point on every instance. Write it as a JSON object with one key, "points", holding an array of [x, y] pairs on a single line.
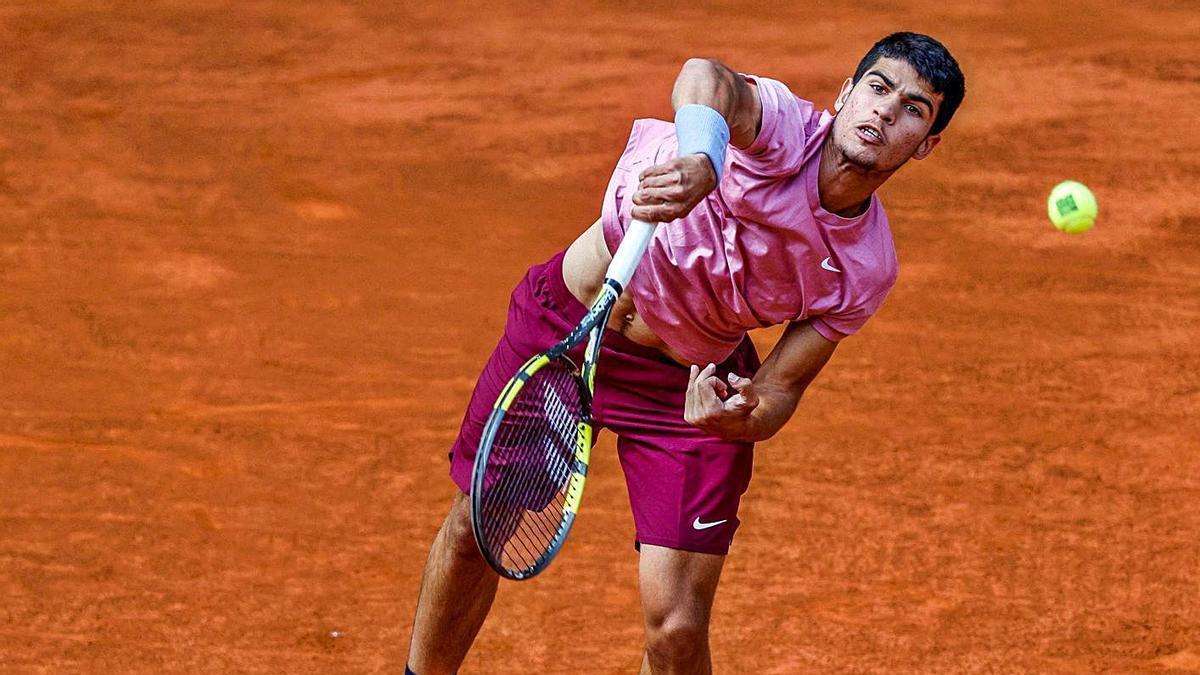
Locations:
{"points": [[672, 189]]}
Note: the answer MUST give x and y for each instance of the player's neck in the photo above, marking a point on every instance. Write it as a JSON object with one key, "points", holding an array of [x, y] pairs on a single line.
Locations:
{"points": [[846, 188]]}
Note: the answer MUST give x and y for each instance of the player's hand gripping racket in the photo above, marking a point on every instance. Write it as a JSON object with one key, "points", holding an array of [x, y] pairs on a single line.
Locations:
{"points": [[533, 456]]}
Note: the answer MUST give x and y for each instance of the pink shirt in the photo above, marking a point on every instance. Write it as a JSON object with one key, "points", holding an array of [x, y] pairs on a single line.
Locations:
{"points": [[759, 250]]}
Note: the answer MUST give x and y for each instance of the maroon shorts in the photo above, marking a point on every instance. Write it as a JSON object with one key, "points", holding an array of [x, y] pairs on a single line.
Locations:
{"points": [[684, 484]]}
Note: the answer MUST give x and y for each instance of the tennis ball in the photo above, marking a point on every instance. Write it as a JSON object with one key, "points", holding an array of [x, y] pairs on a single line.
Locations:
{"points": [[1072, 207]]}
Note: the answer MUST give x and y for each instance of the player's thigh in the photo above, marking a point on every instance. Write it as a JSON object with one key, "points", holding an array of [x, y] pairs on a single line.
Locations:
{"points": [[677, 587], [685, 487]]}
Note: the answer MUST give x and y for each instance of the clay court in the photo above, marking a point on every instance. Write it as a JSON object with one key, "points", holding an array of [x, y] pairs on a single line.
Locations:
{"points": [[252, 256]]}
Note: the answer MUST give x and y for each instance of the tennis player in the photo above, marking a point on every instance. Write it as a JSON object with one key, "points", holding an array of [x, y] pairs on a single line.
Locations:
{"points": [[769, 215]]}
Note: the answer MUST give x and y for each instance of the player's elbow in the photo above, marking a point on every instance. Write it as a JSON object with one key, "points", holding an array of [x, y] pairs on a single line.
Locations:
{"points": [[701, 63], [707, 82], [705, 69], [710, 83]]}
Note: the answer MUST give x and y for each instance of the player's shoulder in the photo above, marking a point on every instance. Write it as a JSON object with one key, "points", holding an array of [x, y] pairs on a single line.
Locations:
{"points": [[779, 98], [789, 127]]}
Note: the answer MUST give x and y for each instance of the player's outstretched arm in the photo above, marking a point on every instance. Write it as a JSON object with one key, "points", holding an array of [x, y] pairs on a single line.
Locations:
{"points": [[714, 106], [754, 410]]}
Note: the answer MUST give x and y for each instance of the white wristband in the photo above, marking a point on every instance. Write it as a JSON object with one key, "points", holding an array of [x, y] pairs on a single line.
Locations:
{"points": [[700, 129]]}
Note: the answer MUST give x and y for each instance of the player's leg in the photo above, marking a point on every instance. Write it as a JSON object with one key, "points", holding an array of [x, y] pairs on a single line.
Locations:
{"points": [[457, 590], [685, 487], [684, 492], [458, 586], [677, 589]]}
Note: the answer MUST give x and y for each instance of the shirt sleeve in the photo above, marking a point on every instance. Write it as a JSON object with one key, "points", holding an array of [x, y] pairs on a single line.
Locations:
{"points": [[778, 150], [836, 326]]}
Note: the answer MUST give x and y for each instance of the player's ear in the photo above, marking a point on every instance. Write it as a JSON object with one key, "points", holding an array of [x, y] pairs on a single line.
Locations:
{"points": [[843, 95], [926, 146]]}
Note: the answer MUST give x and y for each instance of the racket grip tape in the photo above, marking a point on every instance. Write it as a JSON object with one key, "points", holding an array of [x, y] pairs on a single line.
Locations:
{"points": [[630, 252]]}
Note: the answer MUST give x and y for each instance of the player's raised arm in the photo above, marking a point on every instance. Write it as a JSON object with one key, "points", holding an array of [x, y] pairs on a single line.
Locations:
{"points": [[713, 107]]}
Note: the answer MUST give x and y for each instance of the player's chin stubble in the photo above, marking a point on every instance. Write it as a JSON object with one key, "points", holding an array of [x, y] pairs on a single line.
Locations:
{"points": [[864, 159]]}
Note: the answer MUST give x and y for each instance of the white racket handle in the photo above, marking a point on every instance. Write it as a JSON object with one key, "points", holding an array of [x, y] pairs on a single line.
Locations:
{"points": [[629, 253]]}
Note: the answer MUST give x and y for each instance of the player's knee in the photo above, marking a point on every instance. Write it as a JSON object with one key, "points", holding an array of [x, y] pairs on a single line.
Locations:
{"points": [[676, 636], [457, 533]]}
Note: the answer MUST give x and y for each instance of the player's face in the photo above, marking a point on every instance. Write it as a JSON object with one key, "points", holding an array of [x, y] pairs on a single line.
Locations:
{"points": [[884, 119]]}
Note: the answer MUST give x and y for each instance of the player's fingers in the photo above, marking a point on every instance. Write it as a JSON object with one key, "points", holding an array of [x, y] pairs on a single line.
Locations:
{"points": [[744, 386], [694, 405], [664, 179], [739, 403], [656, 170], [708, 382], [703, 378], [738, 382], [721, 388], [660, 213], [693, 379], [671, 194], [708, 403], [648, 196]]}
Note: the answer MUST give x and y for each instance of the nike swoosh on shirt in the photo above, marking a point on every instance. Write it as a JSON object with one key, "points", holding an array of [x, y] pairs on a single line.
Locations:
{"points": [[826, 265], [697, 525]]}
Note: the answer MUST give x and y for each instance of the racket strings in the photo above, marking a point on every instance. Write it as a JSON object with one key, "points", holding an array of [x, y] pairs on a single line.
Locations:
{"points": [[530, 466], [526, 497]]}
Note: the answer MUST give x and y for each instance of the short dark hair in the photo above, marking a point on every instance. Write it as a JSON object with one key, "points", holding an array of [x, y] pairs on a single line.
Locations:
{"points": [[933, 63]]}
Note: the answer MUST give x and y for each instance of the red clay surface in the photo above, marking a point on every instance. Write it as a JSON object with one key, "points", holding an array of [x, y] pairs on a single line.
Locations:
{"points": [[252, 256]]}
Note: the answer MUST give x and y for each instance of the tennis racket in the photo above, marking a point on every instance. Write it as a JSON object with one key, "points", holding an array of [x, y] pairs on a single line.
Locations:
{"points": [[533, 456]]}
